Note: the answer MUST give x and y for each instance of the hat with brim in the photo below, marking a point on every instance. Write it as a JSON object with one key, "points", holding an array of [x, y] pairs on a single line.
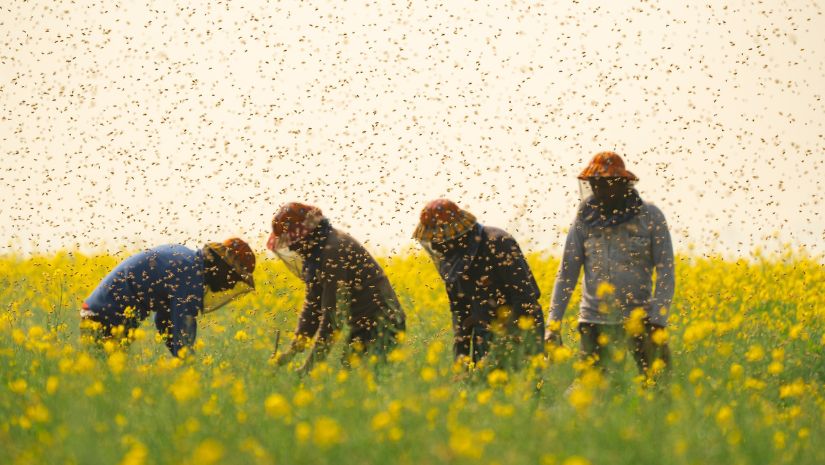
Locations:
{"points": [[238, 255], [442, 220], [293, 222], [607, 165]]}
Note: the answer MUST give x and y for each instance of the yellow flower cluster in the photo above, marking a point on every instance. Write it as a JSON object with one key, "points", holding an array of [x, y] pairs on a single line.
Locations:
{"points": [[745, 385]]}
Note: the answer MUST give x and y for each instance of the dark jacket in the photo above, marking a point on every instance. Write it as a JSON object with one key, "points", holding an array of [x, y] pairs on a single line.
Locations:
{"points": [[348, 284], [491, 273]]}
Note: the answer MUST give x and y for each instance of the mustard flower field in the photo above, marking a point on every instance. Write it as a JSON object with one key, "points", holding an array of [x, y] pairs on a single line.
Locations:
{"points": [[747, 383]]}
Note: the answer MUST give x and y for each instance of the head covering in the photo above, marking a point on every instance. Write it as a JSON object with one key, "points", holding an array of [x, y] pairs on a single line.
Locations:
{"points": [[238, 255], [607, 165], [313, 246], [291, 223], [442, 220], [593, 215]]}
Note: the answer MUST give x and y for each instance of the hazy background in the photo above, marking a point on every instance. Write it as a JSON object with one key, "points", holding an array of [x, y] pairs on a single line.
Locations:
{"points": [[128, 125]]}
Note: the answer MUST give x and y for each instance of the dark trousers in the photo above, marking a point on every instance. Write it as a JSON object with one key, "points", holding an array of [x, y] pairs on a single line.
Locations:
{"points": [[502, 340], [642, 347], [379, 339]]}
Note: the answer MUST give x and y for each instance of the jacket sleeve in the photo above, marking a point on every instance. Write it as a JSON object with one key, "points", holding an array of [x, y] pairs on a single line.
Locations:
{"points": [[462, 317], [462, 335], [662, 251], [517, 280], [568, 274], [310, 317], [328, 324], [330, 313]]}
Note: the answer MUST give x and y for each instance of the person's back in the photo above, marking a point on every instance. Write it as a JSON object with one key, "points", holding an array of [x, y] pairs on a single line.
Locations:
{"points": [[347, 261], [487, 282], [150, 281]]}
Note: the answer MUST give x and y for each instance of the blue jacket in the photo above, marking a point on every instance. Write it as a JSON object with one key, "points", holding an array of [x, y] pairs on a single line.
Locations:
{"points": [[167, 280]]}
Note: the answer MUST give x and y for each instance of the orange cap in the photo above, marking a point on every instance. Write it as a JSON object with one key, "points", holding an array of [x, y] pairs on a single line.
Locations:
{"points": [[607, 165]]}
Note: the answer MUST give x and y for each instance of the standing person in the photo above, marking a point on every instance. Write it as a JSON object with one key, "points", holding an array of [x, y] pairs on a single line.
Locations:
{"points": [[175, 282], [343, 283], [488, 281], [619, 240]]}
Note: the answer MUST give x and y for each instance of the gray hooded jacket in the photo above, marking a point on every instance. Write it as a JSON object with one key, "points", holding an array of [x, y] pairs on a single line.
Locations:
{"points": [[623, 256]]}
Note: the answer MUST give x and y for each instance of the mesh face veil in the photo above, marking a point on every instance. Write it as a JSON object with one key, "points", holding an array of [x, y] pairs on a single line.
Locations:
{"points": [[434, 249], [214, 300], [434, 255], [585, 191], [293, 261], [236, 255], [291, 223]]}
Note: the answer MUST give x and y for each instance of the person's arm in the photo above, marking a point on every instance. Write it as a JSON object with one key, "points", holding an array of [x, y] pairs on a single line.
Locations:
{"points": [[517, 280], [333, 295], [463, 326], [566, 279], [308, 322], [662, 251]]}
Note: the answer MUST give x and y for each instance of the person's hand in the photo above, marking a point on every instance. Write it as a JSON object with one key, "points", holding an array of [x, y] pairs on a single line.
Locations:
{"points": [[468, 323], [281, 359], [461, 376], [553, 337], [306, 367]]}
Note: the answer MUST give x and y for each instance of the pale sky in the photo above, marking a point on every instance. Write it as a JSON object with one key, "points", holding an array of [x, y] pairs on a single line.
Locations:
{"points": [[127, 126]]}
